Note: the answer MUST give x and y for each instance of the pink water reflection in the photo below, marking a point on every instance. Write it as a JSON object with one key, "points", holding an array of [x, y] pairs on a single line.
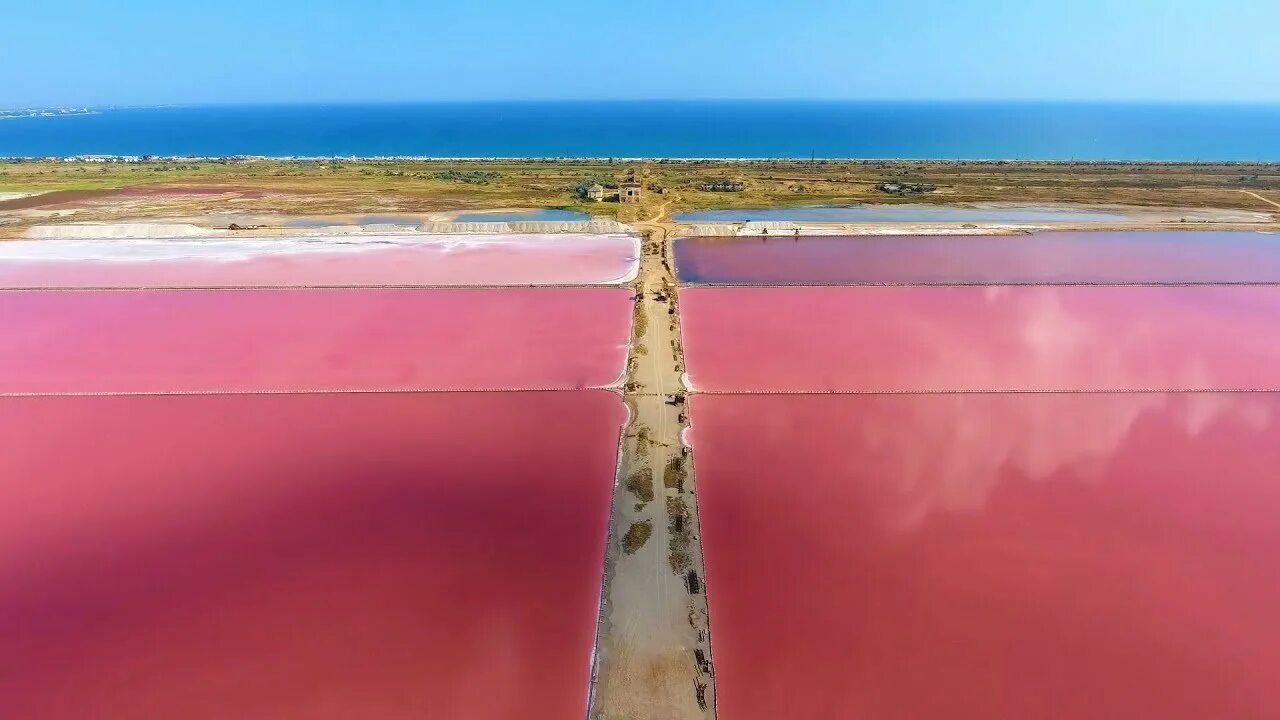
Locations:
{"points": [[287, 556], [296, 340], [992, 556], [332, 261], [981, 338], [1059, 257]]}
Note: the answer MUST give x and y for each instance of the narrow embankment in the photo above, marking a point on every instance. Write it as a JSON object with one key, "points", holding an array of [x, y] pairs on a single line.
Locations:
{"points": [[653, 658]]}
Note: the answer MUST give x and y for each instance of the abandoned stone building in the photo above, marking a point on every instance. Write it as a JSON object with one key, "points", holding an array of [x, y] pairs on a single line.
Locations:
{"points": [[629, 191]]}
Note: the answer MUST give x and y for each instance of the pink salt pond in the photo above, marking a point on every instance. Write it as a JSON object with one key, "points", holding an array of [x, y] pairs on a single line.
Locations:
{"points": [[992, 556], [303, 556], [878, 339], [322, 261], [286, 340], [1137, 257]]}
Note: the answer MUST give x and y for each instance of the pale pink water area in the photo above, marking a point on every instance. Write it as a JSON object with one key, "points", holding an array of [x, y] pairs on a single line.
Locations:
{"points": [[311, 340], [870, 338], [992, 556], [320, 261], [1195, 257], [420, 555]]}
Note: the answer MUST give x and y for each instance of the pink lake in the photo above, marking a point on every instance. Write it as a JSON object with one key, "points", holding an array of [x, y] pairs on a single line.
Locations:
{"points": [[303, 556], [292, 340], [1097, 257], [992, 556], [886, 339], [322, 261]]}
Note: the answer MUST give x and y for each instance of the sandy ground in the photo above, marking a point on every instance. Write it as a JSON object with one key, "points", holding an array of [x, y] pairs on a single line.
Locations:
{"points": [[1265, 200], [653, 659], [120, 214], [7, 196]]}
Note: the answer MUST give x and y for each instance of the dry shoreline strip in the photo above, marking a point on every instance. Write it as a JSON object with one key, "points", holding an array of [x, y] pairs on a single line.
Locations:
{"points": [[260, 193]]}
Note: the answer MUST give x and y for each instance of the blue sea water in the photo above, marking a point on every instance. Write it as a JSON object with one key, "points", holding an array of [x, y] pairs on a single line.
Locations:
{"points": [[668, 129]]}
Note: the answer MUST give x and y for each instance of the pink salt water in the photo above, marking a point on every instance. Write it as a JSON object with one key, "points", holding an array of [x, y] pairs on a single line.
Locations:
{"points": [[302, 556], [308, 340], [871, 339], [328, 261], [1048, 257], [992, 556]]}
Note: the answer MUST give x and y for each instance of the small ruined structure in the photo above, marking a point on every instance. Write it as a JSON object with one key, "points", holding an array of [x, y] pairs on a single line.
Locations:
{"points": [[723, 186], [595, 192], [897, 187], [629, 191]]}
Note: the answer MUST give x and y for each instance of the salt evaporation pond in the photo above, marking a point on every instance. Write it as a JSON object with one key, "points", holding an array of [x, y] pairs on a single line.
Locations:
{"points": [[539, 215], [312, 340], [323, 261], [914, 212], [874, 339], [1190, 257], [315, 555], [992, 556], [886, 538]]}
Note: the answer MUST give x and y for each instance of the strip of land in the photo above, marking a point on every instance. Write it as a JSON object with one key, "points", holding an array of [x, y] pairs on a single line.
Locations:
{"points": [[654, 654], [256, 195]]}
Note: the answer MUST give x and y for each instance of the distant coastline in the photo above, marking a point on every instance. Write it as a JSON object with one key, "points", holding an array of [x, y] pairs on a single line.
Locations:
{"points": [[670, 130], [622, 162], [44, 113]]}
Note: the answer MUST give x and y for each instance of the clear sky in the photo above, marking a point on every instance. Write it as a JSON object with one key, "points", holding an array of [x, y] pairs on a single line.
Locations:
{"points": [[94, 52]]}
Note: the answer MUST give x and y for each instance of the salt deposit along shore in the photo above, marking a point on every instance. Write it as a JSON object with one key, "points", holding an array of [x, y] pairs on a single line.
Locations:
{"points": [[366, 259]]}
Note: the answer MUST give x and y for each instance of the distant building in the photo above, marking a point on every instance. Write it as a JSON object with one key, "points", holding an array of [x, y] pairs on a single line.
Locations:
{"points": [[723, 186], [629, 191], [596, 192]]}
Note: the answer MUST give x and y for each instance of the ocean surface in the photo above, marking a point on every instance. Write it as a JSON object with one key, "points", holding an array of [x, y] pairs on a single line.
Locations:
{"points": [[672, 129]]}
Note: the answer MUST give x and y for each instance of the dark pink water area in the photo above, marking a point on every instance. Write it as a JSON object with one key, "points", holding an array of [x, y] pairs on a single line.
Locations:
{"points": [[1058, 257], [335, 261], [306, 340], [992, 556], [303, 556], [870, 338]]}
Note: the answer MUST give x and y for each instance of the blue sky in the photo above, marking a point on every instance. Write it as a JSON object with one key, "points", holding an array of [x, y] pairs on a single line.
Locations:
{"points": [[148, 52]]}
